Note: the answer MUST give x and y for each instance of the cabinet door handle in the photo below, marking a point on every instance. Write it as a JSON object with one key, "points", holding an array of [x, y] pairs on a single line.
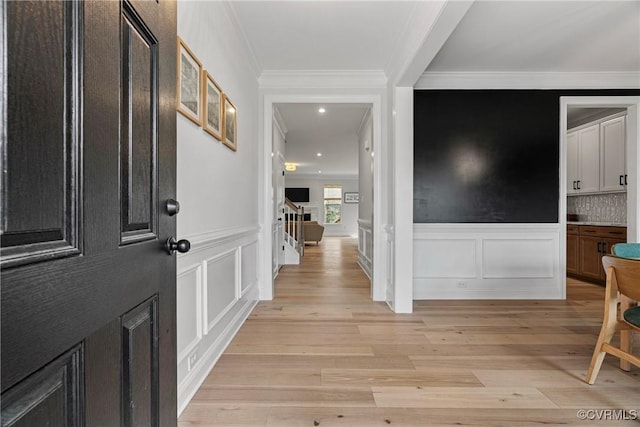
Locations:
{"points": [[621, 177], [625, 179], [599, 247], [604, 248], [574, 185], [578, 181]]}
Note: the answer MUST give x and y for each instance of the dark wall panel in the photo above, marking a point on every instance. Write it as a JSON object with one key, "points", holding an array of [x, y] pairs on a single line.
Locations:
{"points": [[488, 156]]}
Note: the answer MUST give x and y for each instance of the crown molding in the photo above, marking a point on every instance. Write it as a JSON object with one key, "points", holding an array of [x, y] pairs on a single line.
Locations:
{"points": [[341, 79], [242, 35], [528, 80]]}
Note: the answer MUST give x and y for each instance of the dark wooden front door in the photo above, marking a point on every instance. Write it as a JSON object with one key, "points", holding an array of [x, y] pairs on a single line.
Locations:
{"points": [[88, 161]]}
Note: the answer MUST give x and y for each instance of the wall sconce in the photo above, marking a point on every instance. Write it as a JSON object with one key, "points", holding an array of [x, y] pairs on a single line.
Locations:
{"points": [[291, 167]]}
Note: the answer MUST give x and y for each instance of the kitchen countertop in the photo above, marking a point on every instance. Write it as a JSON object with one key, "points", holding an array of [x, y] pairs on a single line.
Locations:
{"points": [[604, 224]]}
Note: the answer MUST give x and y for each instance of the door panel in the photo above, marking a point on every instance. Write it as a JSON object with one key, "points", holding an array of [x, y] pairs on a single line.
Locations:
{"points": [[41, 223], [84, 272], [590, 257], [573, 254], [138, 140], [572, 162], [140, 362], [589, 159], [47, 398]]}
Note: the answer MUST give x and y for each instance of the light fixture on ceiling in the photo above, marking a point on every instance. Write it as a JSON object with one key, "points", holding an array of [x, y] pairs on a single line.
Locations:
{"points": [[291, 167], [319, 154], [321, 110], [319, 171]]}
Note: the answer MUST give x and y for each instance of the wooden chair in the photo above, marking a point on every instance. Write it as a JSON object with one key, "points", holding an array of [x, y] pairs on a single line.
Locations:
{"points": [[623, 286]]}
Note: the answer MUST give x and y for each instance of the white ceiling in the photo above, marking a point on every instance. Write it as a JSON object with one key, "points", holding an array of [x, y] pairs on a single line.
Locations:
{"points": [[333, 133], [559, 36], [507, 36], [323, 35]]}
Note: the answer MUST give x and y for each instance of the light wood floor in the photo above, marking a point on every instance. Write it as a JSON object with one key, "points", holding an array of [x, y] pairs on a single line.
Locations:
{"points": [[323, 354]]}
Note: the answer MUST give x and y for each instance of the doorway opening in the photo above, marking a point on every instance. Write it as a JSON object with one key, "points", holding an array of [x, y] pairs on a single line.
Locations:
{"points": [[322, 182], [323, 149], [599, 183]]}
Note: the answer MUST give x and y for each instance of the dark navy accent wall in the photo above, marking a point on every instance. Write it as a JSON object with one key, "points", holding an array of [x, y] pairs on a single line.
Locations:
{"points": [[489, 156]]}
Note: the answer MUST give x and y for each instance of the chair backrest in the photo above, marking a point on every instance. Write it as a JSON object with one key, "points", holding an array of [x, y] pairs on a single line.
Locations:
{"points": [[627, 272], [626, 250]]}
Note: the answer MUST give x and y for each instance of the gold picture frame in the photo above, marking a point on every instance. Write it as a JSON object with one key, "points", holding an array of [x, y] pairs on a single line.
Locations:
{"points": [[229, 124], [189, 84], [212, 100]]}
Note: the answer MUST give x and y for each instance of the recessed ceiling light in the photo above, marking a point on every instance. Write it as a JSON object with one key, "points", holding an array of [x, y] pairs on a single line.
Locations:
{"points": [[319, 154], [321, 110], [319, 171]]}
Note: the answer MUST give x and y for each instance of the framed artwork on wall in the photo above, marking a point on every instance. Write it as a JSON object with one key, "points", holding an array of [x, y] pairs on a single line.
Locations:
{"points": [[212, 106], [351, 197], [230, 124], [189, 87]]}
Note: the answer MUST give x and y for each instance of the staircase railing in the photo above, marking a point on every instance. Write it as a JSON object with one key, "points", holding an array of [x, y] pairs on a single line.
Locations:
{"points": [[294, 229]]}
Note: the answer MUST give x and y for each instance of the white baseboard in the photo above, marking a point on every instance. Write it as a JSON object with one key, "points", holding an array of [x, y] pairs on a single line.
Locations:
{"points": [[188, 388]]}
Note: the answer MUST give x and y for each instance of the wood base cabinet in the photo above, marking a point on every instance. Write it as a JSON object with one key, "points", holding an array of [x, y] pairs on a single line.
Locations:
{"points": [[586, 244], [573, 250]]}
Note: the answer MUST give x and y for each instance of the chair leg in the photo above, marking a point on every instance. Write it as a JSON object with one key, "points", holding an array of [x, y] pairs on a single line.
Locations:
{"points": [[626, 335], [606, 333], [625, 345]]}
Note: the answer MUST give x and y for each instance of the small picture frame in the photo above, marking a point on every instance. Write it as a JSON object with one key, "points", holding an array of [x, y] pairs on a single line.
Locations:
{"points": [[189, 84], [351, 197], [212, 106], [230, 124]]}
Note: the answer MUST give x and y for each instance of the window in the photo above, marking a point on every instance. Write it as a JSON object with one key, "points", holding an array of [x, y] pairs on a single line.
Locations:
{"points": [[332, 204]]}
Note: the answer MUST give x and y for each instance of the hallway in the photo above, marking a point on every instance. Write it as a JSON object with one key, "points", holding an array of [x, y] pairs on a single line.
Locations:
{"points": [[322, 354]]}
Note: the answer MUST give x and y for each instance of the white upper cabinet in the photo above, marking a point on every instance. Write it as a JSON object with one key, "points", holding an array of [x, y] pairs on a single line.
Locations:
{"points": [[589, 159], [612, 155], [583, 160], [596, 157], [572, 162]]}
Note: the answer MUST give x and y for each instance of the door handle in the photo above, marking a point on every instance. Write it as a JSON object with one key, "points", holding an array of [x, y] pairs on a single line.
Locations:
{"points": [[574, 185], [173, 207], [578, 181], [181, 246], [621, 176], [625, 179]]}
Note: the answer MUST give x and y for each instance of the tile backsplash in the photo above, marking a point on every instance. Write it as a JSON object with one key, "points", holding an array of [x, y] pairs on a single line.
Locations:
{"points": [[599, 207]]}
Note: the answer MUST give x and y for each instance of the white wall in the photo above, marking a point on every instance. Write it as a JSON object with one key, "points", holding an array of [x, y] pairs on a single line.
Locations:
{"points": [[365, 209], [218, 192], [349, 224]]}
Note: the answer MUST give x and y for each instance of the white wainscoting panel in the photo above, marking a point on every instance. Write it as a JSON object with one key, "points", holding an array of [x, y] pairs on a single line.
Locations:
{"points": [[441, 258], [217, 289], [249, 269], [487, 261], [391, 265], [518, 258], [221, 287], [189, 310], [365, 246]]}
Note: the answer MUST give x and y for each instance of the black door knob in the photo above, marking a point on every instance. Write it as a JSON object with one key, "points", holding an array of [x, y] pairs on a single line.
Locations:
{"points": [[173, 207], [181, 246]]}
